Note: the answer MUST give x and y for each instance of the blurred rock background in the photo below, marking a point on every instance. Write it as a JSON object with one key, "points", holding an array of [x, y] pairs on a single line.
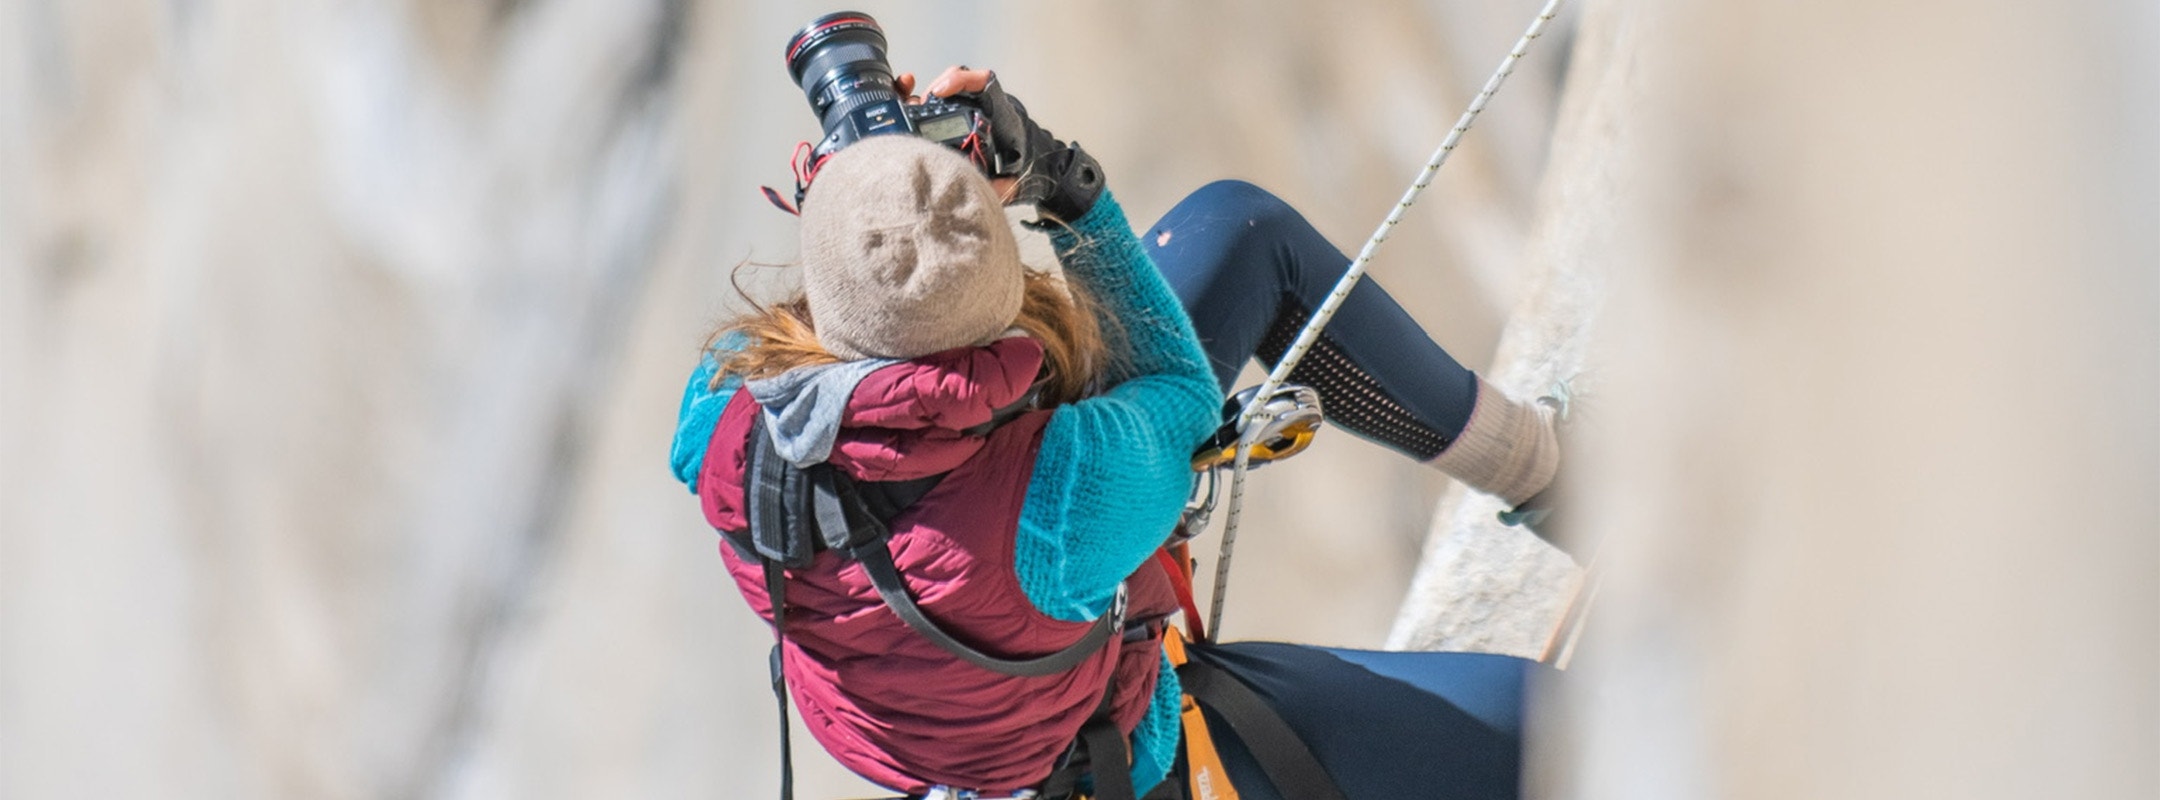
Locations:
{"points": [[1875, 457], [340, 343]]}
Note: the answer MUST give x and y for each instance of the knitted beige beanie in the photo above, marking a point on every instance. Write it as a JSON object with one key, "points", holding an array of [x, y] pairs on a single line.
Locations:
{"points": [[906, 252]]}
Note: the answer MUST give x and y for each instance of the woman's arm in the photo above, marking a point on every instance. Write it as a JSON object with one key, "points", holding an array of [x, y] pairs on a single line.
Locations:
{"points": [[1113, 472], [701, 406]]}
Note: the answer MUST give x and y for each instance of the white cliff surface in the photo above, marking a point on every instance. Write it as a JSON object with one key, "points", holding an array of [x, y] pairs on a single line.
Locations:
{"points": [[1866, 436]]}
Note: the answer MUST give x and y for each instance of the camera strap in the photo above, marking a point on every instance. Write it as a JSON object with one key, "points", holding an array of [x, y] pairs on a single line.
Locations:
{"points": [[773, 196], [804, 163]]}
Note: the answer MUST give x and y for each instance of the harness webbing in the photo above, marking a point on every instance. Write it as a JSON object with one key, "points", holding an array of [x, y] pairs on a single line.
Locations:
{"points": [[795, 512], [1100, 744], [877, 562], [776, 591], [1341, 292], [850, 518], [1281, 755]]}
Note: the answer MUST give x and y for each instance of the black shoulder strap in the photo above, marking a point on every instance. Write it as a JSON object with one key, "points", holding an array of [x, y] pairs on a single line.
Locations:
{"points": [[1288, 763], [780, 505], [794, 512], [773, 494], [877, 562], [1100, 750], [1112, 765], [776, 592]]}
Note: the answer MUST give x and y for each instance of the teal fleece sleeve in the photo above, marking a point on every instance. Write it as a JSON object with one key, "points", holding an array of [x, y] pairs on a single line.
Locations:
{"points": [[1113, 473], [1114, 470], [700, 412]]}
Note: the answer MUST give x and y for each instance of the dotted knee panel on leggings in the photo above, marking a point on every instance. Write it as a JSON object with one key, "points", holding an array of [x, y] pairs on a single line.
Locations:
{"points": [[1348, 393]]}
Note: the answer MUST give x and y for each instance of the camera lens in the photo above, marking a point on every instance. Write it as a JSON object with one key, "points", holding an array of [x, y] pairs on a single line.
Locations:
{"points": [[839, 61]]}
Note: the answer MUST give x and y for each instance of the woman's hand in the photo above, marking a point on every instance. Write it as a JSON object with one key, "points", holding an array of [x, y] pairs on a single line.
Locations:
{"points": [[1060, 180], [956, 80]]}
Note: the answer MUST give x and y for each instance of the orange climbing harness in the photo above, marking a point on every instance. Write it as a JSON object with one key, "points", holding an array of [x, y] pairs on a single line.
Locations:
{"points": [[1205, 778], [1280, 754]]}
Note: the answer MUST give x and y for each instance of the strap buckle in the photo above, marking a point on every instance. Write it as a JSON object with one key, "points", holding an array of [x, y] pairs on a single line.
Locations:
{"points": [[942, 792], [1118, 606]]}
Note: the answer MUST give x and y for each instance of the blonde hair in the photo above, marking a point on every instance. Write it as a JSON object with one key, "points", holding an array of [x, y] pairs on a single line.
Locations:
{"points": [[1062, 316]]}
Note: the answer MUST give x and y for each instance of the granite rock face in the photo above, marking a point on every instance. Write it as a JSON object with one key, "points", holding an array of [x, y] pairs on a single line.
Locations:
{"points": [[1862, 312], [1486, 587]]}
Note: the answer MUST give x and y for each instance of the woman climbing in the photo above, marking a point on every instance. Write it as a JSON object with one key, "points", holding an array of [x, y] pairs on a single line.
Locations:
{"points": [[956, 473]]}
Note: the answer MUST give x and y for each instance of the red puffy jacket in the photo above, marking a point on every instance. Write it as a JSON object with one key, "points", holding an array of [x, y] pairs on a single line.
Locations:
{"points": [[884, 701]]}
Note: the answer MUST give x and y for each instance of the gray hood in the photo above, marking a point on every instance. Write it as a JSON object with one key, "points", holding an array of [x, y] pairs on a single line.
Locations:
{"points": [[804, 406]]}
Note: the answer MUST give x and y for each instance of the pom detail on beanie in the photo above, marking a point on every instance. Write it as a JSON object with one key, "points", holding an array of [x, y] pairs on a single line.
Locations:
{"points": [[906, 252]]}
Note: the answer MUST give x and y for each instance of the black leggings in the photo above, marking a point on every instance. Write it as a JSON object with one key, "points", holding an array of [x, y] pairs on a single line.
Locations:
{"points": [[1250, 270], [1439, 726]]}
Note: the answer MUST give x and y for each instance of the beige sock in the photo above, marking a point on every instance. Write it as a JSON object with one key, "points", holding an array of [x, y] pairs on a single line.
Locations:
{"points": [[1507, 449]]}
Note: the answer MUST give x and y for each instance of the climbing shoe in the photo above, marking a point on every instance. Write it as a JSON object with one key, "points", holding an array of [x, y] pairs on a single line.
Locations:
{"points": [[1538, 512]]}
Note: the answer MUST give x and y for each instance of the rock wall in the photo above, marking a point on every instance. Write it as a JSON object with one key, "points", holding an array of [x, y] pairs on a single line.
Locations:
{"points": [[1867, 441]]}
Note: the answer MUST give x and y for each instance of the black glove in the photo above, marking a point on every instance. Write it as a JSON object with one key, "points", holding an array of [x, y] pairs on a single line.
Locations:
{"points": [[1060, 180]]}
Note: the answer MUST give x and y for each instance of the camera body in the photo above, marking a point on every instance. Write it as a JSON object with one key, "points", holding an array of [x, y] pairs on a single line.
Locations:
{"points": [[954, 123], [839, 61]]}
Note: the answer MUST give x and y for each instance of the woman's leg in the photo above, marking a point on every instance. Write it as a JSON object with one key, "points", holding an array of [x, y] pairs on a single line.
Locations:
{"points": [[1251, 271], [1426, 725]]}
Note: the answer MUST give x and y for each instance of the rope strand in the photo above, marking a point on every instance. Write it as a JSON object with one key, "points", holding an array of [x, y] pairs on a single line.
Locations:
{"points": [[1341, 292]]}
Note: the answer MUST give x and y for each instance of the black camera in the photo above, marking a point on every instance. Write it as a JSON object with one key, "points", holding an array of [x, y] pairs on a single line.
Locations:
{"points": [[839, 60]]}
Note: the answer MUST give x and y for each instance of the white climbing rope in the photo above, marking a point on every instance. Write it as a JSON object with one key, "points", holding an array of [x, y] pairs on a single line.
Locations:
{"points": [[1334, 301]]}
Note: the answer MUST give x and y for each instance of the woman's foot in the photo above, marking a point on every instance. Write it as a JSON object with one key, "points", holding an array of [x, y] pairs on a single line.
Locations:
{"points": [[1538, 511], [1511, 449], [1507, 449]]}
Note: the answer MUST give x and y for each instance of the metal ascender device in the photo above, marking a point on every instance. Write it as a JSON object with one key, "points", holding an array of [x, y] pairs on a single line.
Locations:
{"points": [[1281, 426]]}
